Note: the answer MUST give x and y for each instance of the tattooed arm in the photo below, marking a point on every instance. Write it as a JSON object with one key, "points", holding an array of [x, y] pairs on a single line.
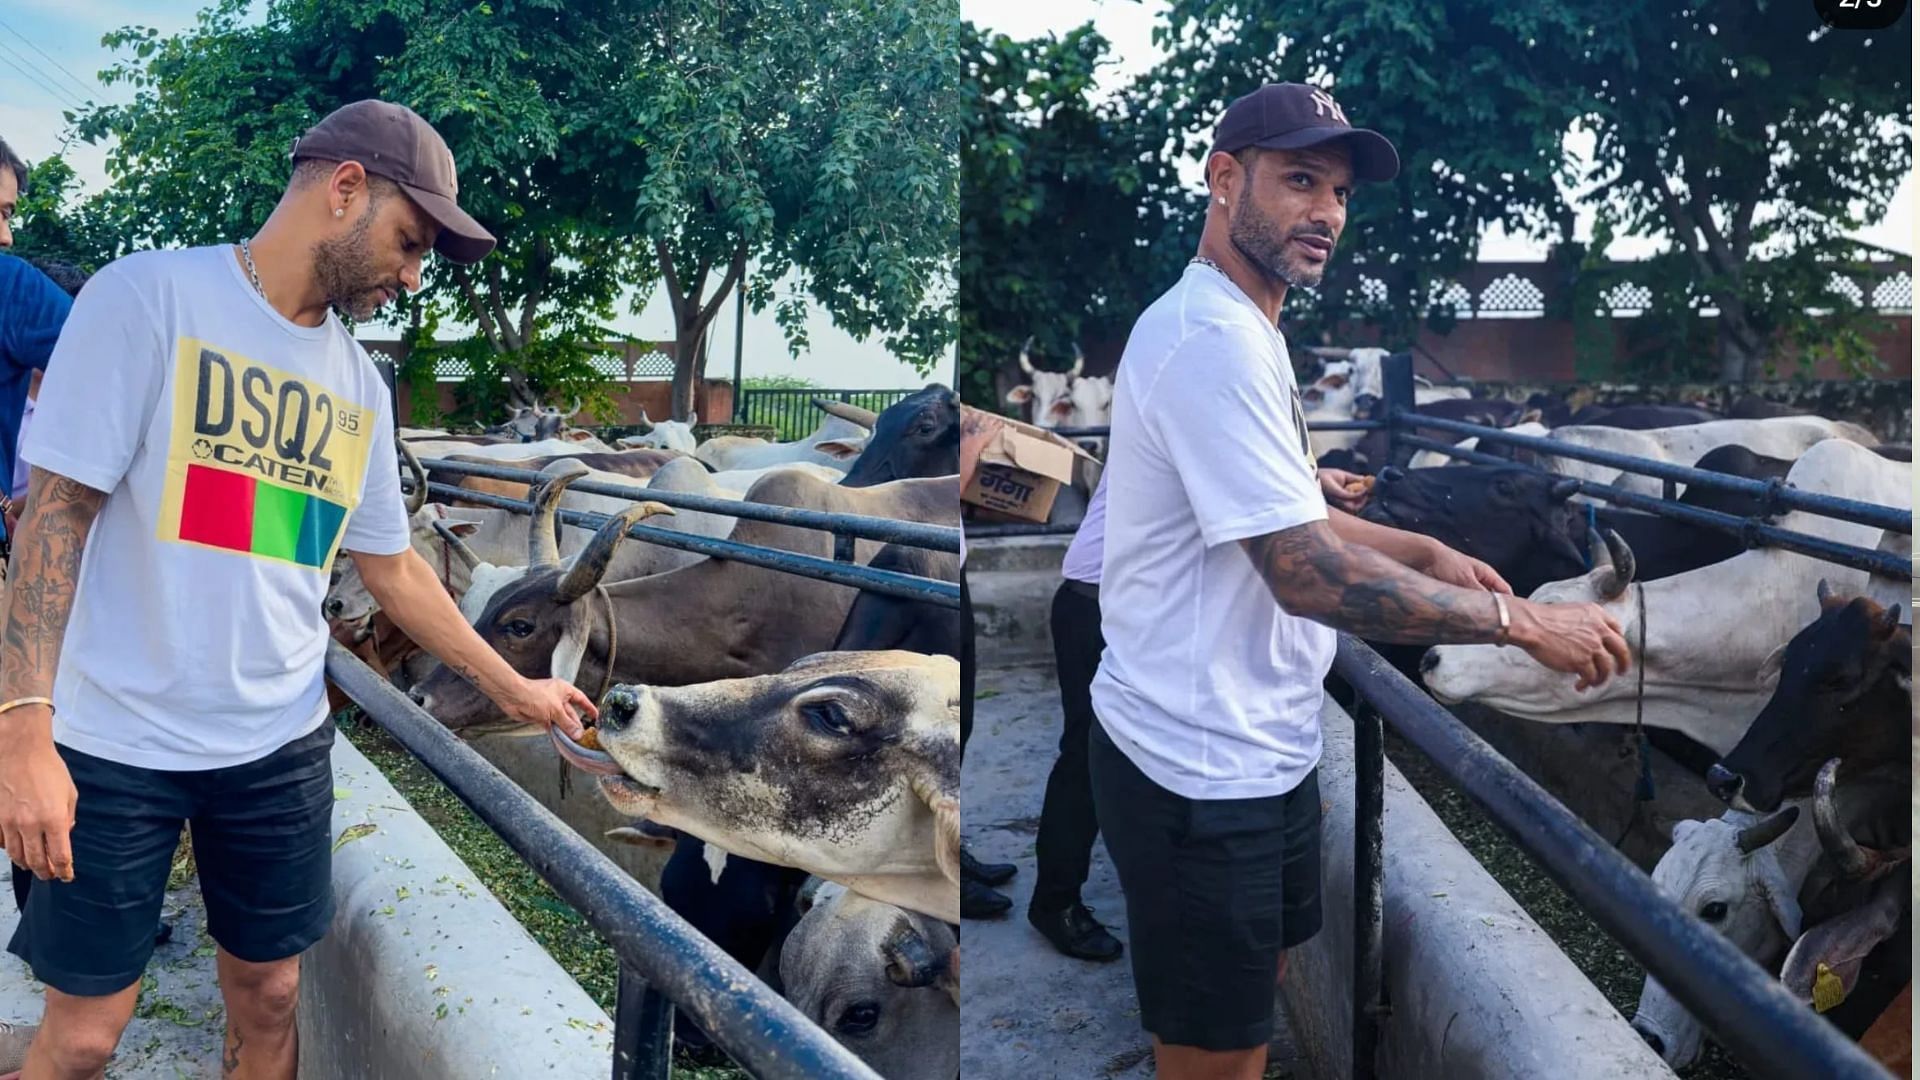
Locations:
{"points": [[1313, 573], [36, 794]]}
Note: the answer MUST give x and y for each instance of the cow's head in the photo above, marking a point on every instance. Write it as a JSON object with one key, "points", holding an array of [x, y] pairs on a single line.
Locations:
{"points": [[1845, 690], [917, 436], [667, 434], [542, 623], [1737, 875], [1511, 518], [1048, 395], [1510, 680], [878, 978], [846, 764]]}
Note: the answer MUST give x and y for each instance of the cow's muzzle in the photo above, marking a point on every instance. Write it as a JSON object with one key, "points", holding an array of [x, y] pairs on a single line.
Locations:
{"points": [[1724, 783]]}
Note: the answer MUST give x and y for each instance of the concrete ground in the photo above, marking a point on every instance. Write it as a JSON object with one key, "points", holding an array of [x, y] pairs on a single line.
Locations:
{"points": [[1028, 1011], [179, 1023]]}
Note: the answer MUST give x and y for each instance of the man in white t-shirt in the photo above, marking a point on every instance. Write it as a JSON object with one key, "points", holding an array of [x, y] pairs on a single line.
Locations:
{"points": [[1224, 580], [210, 436]]}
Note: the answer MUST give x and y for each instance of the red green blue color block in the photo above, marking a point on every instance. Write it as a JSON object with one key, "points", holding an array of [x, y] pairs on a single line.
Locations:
{"points": [[241, 513]]}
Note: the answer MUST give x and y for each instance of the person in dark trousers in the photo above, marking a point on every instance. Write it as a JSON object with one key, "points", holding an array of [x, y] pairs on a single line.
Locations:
{"points": [[1224, 583]]}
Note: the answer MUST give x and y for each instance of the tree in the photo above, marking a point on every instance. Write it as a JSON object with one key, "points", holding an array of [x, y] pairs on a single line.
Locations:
{"points": [[1069, 214], [52, 222], [811, 137], [604, 142], [1733, 133]]}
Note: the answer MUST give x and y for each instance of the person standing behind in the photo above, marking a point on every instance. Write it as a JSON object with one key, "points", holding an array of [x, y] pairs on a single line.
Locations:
{"points": [[1224, 581]]}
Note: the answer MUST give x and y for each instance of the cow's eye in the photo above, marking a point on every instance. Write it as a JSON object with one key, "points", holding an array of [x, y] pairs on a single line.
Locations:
{"points": [[859, 1018], [827, 717], [1714, 911], [519, 628]]}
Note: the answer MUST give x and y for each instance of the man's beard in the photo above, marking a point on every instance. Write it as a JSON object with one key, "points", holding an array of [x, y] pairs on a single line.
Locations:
{"points": [[341, 266], [1258, 239]]}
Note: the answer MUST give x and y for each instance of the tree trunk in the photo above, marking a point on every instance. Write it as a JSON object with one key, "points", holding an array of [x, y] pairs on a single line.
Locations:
{"points": [[1739, 355], [689, 365]]}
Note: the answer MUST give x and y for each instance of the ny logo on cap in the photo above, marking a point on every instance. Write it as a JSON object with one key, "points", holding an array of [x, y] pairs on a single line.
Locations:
{"points": [[1323, 103]]}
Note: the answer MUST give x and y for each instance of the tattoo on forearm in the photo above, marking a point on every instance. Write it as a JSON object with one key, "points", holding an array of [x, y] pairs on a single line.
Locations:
{"points": [[1351, 587], [44, 572]]}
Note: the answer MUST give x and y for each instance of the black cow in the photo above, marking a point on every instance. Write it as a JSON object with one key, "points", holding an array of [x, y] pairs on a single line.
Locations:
{"points": [[1845, 692], [1642, 417], [1735, 460], [878, 621], [917, 436], [1755, 407]]}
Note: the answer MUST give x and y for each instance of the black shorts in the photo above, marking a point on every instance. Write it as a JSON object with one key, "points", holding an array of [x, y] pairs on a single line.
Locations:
{"points": [[1216, 889], [261, 836]]}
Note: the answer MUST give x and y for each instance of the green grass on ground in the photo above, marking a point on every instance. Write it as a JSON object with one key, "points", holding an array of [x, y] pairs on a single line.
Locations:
{"points": [[552, 921], [1618, 975]]}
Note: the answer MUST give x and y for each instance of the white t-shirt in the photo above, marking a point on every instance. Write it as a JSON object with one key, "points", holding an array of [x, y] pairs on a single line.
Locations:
{"points": [[1082, 561], [239, 453], [1207, 685]]}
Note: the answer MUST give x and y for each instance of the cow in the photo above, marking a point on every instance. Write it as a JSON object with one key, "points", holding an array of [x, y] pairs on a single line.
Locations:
{"points": [[1434, 459], [1735, 461], [619, 467], [506, 453], [1350, 382], [1741, 874], [835, 443], [665, 434], [1641, 417], [881, 621], [1707, 632], [1786, 438], [880, 980], [714, 619], [846, 765], [1843, 687], [1755, 407], [919, 435], [1048, 395]]}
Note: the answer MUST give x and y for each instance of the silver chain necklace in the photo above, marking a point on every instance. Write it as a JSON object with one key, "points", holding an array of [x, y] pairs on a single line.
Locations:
{"points": [[246, 254], [1208, 263]]}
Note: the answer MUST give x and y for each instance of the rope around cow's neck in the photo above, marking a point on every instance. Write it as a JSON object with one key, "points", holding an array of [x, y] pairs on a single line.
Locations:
{"points": [[1642, 787]]}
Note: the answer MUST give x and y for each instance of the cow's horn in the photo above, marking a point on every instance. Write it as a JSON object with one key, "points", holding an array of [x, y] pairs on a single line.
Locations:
{"points": [[866, 418], [1026, 365], [418, 498], [591, 564], [946, 822], [1856, 862], [543, 536], [1767, 830], [910, 962], [1563, 489], [1329, 352], [458, 546], [1622, 557], [1079, 361], [1823, 591]]}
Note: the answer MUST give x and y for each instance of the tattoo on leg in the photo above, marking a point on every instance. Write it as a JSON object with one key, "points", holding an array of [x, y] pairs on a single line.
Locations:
{"points": [[230, 1059]]}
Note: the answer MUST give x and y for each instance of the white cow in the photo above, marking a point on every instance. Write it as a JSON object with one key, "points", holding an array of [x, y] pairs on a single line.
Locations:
{"points": [[1741, 875], [835, 443], [878, 978], [1433, 459], [666, 434], [506, 453], [1347, 376], [1714, 636]]}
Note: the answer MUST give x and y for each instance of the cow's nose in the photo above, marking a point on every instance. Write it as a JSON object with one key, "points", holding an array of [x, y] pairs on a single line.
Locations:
{"points": [[419, 698], [1724, 783], [1392, 474], [1429, 661], [333, 608], [1653, 1039]]}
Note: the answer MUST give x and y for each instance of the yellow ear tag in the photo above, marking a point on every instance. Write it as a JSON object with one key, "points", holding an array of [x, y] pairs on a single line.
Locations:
{"points": [[1828, 991]]}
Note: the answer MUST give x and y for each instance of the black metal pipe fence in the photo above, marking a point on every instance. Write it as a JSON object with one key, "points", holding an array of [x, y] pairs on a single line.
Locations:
{"points": [[663, 961], [1745, 1008], [792, 412]]}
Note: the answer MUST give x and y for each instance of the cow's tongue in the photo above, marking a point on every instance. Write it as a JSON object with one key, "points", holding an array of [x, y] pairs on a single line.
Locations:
{"points": [[598, 762]]}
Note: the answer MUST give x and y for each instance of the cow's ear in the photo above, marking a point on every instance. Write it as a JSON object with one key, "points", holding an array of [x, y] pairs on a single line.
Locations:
{"points": [[1682, 828], [840, 449], [945, 804], [1771, 879], [1020, 395], [463, 528]]}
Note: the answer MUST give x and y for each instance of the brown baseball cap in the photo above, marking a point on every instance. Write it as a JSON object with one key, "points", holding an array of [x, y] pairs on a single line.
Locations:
{"points": [[393, 141], [1293, 116]]}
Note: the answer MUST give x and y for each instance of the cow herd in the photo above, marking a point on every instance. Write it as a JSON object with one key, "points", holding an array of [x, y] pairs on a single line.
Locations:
{"points": [[794, 740], [1790, 675]]}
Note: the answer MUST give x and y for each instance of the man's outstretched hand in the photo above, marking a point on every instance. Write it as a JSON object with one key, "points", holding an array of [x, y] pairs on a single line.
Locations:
{"points": [[548, 703]]}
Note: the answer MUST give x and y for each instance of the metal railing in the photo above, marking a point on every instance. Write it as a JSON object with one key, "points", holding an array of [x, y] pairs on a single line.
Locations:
{"points": [[664, 962], [792, 413]]}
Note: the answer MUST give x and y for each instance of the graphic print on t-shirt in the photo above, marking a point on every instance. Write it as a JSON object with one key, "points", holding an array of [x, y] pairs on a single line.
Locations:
{"points": [[262, 462]]}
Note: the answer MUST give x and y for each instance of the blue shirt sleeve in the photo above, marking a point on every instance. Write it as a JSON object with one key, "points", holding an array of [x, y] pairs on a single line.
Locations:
{"points": [[32, 311]]}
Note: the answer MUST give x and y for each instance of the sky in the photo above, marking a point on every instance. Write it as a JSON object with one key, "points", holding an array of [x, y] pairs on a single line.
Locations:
{"points": [[50, 53], [1128, 26]]}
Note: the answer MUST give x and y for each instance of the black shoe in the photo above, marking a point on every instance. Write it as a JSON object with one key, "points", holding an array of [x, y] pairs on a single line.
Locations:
{"points": [[977, 901], [164, 934], [1073, 931], [998, 873]]}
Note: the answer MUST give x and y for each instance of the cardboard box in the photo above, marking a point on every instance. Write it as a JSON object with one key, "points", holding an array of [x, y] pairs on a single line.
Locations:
{"points": [[1020, 469]]}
